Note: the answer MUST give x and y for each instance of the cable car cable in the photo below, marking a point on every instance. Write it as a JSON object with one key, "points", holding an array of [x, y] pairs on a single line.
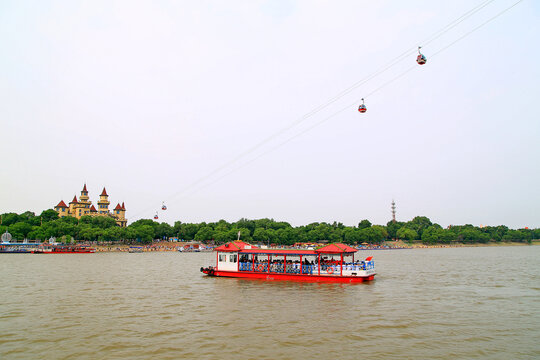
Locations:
{"points": [[348, 107], [396, 60], [314, 111]]}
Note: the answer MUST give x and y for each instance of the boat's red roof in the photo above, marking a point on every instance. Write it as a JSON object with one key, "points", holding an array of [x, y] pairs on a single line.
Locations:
{"points": [[246, 248], [336, 249], [235, 246]]}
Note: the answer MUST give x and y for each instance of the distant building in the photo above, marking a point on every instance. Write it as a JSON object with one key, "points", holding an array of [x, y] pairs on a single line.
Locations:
{"points": [[84, 207]]}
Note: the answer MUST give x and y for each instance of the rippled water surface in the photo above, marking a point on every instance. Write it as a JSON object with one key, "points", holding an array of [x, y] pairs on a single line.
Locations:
{"points": [[426, 303]]}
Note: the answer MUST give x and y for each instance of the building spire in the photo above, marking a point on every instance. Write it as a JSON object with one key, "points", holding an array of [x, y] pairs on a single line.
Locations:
{"points": [[104, 192]]}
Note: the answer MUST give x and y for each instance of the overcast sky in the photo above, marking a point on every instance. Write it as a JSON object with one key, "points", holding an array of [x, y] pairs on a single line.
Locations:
{"points": [[169, 100]]}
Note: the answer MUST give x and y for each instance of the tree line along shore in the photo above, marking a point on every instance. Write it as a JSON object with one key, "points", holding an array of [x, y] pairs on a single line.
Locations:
{"points": [[420, 229]]}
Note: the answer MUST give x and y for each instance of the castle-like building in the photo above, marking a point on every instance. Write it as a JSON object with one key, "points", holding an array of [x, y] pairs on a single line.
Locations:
{"points": [[84, 207]]}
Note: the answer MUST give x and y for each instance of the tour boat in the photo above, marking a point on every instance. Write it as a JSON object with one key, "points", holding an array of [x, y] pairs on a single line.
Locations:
{"points": [[14, 250], [331, 263], [64, 249]]}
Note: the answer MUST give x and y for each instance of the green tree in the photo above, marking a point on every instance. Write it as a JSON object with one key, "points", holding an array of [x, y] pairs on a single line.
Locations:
{"points": [[48, 215], [221, 236], [447, 236], [246, 224], [418, 224], [164, 231], [222, 225], [37, 233], [351, 236], [432, 234], [393, 227], [364, 224], [87, 232], [145, 233], [260, 235], [244, 234], [204, 233], [103, 222], [9, 219], [131, 233], [114, 233], [30, 218], [336, 235], [141, 222], [20, 230], [378, 233], [286, 236], [188, 231], [272, 236], [373, 234], [471, 234], [407, 234]]}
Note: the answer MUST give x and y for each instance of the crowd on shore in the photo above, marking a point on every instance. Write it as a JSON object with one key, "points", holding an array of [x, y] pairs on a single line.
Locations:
{"points": [[164, 246], [156, 246]]}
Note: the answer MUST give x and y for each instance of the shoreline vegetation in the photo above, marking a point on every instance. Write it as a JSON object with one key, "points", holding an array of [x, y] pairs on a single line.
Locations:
{"points": [[165, 246], [102, 232]]}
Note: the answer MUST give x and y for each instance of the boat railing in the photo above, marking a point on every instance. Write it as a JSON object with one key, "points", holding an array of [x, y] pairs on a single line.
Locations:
{"points": [[278, 268], [297, 268], [365, 265]]}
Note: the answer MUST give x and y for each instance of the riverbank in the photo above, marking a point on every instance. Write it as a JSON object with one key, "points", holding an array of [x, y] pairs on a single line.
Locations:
{"points": [[398, 244], [157, 246], [164, 246]]}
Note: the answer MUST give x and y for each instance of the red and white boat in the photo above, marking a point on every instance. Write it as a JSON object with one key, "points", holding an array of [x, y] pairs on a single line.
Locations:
{"points": [[64, 249], [331, 263]]}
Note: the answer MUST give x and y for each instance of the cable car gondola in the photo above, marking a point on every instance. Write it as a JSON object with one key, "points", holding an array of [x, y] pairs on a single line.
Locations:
{"points": [[156, 216], [420, 59], [163, 207], [362, 108]]}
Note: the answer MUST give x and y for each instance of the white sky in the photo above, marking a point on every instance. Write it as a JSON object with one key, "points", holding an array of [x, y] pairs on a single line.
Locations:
{"points": [[146, 98]]}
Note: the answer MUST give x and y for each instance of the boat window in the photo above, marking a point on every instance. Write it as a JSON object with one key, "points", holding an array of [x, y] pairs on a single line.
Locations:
{"points": [[222, 258], [233, 258]]}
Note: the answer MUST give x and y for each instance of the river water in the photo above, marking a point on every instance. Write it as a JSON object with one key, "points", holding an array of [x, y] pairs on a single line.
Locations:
{"points": [[454, 303]]}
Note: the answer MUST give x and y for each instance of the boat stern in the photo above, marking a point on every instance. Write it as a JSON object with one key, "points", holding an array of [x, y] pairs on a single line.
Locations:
{"points": [[210, 271]]}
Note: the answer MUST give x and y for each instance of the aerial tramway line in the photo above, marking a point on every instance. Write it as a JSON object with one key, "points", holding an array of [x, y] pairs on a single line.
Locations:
{"points": [[421, 59]]}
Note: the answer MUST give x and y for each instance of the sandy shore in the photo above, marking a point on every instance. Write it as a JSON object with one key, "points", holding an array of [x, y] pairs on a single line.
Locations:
{"points": [[168, 246], [415, 245], [159, 246], [401, 244]]}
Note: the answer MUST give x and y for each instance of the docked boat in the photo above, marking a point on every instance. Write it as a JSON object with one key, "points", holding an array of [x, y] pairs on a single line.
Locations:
{"points": [[64, 249], [14, 250], [331, 263]]}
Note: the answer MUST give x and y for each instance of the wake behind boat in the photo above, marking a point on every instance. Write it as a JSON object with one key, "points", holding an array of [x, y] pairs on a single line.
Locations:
{"points": [[331, 263]]}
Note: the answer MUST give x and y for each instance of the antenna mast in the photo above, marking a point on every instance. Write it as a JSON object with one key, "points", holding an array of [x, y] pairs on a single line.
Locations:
{"points": [[393, 211]]}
